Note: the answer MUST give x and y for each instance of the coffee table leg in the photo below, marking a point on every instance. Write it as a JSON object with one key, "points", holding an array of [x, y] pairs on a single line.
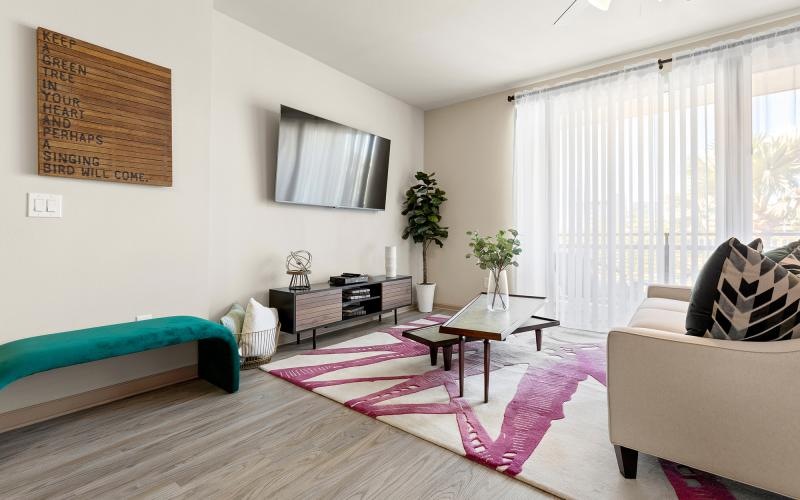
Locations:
{"points": [[447, 354], [486, 357], [461, 345], [433, 350], [538, 340]]}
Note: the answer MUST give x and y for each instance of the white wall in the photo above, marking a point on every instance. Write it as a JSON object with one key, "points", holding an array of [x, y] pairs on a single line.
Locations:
{"points": [[211, 239], [120, 249], [251, 234]]}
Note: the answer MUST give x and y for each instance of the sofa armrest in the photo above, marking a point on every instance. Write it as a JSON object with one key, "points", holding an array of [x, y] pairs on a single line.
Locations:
{"points": [[727, 407], [674, 292]]}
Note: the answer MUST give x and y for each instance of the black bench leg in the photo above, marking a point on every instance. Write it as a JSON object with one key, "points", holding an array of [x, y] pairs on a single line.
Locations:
{"points": [[627, 460], [395, 316], [447, 354], [538, 340], [314, 338], [434, 351]]}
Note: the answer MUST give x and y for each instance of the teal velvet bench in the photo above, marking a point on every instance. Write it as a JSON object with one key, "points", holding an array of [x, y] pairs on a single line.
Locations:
{"points": [[217, 352]]}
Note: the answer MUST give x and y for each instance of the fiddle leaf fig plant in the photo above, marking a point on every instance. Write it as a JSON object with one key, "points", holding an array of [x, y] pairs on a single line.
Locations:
{"points": [[421, 206]]}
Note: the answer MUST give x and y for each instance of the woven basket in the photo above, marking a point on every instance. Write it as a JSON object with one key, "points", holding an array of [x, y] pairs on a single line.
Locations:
{"points": [[264, 343]]}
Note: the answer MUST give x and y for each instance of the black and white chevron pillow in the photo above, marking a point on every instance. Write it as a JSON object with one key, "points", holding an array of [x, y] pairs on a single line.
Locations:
{"points": [[756, 298]]}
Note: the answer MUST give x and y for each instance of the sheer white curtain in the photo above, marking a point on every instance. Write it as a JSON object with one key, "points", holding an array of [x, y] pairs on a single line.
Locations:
{"points": [[634, 178], [709, 147], [724, 100], [588, 165]]}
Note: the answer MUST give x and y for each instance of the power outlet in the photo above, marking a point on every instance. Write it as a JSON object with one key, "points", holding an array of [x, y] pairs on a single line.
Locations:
{"points": [[142, 317]]}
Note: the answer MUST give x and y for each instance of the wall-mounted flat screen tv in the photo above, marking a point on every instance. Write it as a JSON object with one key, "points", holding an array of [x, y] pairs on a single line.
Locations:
{"points": [[325, 163]]}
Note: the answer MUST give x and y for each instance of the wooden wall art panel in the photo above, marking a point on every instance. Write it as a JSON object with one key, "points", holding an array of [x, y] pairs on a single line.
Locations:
{"points": [[102, 115]]}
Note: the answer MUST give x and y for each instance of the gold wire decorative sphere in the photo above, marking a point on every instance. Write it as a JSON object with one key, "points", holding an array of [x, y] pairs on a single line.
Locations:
{"points": [[299, 261]]}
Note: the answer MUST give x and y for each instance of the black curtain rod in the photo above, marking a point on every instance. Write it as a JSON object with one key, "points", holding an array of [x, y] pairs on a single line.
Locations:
{"points": [[787, 31], [661, 63]]}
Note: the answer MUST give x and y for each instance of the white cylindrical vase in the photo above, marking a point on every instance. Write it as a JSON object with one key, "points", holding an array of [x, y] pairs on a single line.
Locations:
{"points": [[391, 262]]}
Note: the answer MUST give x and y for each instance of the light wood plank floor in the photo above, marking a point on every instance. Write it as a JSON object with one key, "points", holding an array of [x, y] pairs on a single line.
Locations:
{"points": [[269, 440]]}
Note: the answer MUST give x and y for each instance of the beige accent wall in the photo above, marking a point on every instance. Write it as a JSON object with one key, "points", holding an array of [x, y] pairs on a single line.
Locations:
{"points": [[471, 147]]}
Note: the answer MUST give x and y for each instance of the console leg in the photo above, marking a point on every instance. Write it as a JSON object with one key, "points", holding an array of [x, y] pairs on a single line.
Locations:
{"points": [[314, 338], [395, 316], [379, 318], [538, 340], [297, 334], [447, 354], [434, 352], [626, 461]]}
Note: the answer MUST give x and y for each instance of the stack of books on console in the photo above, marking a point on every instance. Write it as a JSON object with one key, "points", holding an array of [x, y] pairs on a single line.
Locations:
{"points": [[353, 311], [356, 294]]}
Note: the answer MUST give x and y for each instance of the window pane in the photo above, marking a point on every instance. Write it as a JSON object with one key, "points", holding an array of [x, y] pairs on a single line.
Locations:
{"points": [[776, 156]]}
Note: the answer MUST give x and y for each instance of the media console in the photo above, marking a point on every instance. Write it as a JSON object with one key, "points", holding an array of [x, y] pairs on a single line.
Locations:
{"points": [[325, 305]]}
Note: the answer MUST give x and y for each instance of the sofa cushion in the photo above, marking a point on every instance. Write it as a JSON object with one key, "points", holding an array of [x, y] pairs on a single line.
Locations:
{"points": [[666, 315], [754, 297], [781, 253], [792, 262], [704, 292]]}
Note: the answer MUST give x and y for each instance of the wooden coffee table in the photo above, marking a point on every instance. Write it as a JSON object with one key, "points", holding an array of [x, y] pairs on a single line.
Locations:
{"points": [[475, 321]]}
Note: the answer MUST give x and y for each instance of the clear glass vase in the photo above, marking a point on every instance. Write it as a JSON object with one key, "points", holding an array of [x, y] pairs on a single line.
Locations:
{"points": [[497, 293]]}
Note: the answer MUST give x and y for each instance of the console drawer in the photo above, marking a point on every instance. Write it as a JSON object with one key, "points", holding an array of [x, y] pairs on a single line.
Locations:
{"points": [[395, 294], [317, 309]]}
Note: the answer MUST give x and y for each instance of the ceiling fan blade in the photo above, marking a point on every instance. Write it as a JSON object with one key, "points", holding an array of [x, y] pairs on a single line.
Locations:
{"points": [[565, 11]]}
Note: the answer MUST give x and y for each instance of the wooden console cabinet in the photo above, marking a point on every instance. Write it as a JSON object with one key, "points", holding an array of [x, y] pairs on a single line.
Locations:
{"points": [[321, 305]]}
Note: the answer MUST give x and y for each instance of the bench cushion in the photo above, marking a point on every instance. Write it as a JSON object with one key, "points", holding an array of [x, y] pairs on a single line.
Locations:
{"points": [[218, 357]]}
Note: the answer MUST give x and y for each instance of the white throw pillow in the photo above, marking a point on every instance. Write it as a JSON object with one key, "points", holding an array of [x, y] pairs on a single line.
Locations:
{"points": [[234, 319], [263, 320]]}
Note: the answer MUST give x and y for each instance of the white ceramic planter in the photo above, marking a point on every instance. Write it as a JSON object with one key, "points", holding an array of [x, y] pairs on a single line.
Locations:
{"points": [[425, 297]]}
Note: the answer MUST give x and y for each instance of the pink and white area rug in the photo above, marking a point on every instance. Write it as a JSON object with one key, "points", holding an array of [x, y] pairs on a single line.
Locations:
{"points": [[546, 422]]}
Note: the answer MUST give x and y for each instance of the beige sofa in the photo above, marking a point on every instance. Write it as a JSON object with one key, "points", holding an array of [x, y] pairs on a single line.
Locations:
{"points": [[727, 407]]}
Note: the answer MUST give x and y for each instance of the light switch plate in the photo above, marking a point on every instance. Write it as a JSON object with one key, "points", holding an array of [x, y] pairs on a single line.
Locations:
{"points": [[45, 205]]}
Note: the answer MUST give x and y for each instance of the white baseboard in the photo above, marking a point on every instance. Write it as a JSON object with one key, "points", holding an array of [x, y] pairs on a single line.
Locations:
{"points": [[21, 417]]}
